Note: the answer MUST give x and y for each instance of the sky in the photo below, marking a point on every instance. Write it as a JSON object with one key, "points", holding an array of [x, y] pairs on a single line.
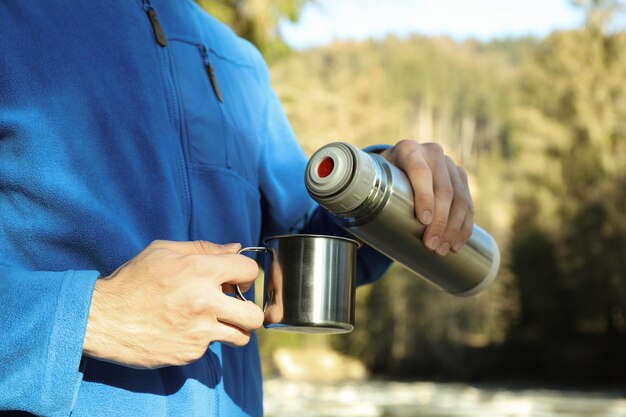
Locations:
{"points": [[322, 21]]}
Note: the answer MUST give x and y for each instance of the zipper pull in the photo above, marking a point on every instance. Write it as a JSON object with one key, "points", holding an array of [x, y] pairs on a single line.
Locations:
{"points": [[211, 73], [159, 34], [216, 89]]}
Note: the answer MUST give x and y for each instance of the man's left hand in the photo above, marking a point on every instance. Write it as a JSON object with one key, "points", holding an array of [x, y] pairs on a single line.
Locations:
{"points": [[442, 198]]}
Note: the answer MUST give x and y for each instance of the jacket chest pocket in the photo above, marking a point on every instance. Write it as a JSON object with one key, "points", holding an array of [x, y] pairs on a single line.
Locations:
{"points": [[203, 114]]}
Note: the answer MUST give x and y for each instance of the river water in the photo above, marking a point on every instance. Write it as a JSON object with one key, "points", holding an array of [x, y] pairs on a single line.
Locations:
{"points": [[284, 398]]}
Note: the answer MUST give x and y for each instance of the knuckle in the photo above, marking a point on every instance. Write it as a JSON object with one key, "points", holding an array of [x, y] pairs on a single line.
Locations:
{"points": [[250, 267], [462, 172], [257, 318], [444, 190], [152, 256], [462, 200], [241, 339], [237, 337], [198, 304], [193, 308], [408, 150], [434, 149], [158, 243], [424, 197], [408, 158], [419, 166], [440, 222], [189, 356], [406, 144], [453, 229], [155, 255], [188, 263], [201, 246]]}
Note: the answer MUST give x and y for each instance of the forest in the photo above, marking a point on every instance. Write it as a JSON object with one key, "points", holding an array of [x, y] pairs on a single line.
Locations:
{"points": [[540, 126]]}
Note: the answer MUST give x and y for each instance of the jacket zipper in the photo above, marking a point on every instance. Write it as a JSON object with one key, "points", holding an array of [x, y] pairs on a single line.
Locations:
{"points": [[159, 34], [171, 89], [211, 73]]}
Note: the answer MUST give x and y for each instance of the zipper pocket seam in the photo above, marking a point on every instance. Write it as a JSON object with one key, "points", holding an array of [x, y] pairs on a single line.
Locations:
{"points": [[204, 54], [215, 53]]}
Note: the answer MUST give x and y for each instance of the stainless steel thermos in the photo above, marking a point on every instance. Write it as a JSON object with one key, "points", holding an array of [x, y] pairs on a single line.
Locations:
{"points": [[373, 200]]}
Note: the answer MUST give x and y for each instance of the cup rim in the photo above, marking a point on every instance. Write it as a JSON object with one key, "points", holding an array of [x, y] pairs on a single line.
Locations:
{"points": [[309, 235]]}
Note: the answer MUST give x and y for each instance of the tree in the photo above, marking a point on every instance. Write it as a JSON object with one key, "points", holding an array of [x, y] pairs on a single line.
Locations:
{"points": [[574, 111], [257, 20]]}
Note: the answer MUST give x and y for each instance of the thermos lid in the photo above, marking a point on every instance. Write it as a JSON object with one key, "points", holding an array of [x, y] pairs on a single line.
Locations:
{"points": [[329, 170], [340, 177]]}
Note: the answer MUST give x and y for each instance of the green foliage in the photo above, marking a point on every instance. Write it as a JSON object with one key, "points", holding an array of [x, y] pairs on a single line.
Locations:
{"points": [[575, 83], [257, 20], [570, 237]]}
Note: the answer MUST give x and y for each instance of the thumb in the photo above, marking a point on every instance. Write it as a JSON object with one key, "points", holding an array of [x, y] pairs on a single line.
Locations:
{"points": [[197, 247]]}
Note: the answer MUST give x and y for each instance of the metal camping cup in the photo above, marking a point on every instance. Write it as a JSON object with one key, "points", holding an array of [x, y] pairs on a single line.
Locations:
{"points": [[309, 283]]}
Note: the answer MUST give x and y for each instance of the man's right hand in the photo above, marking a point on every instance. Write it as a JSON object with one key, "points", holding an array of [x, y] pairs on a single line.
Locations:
{"points": [[166, 305]]}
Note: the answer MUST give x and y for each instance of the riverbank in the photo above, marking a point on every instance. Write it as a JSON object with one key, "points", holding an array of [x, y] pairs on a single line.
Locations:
{"points": [[376, 398]]}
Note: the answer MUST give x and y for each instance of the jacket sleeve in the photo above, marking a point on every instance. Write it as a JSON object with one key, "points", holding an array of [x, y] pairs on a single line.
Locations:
{"points": [[43, 317], [287, 207]]}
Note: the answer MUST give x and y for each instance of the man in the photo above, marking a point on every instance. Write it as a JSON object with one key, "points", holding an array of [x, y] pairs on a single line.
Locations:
{"points": [[134, 137]]}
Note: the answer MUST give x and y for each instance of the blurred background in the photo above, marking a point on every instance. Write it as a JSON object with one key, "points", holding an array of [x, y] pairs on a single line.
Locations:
{"points": [[530, 97]]}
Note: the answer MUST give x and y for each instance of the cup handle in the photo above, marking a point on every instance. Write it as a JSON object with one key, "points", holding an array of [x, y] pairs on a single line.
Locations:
{"points": [[248, 249]]}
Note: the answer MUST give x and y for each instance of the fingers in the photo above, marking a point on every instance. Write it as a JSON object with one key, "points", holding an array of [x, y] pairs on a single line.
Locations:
{"points": [[226, 319], [466, 231], [243, 314], [468, 223], [205, 247], [236, 319], [407, 156], [468, 195], [452, 239], [226, 269], [196, 247], [219, 262], [444, 193], [231, 335], [442, 199]]}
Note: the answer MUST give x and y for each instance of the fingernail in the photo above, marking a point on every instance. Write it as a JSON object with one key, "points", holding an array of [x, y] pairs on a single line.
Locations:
{"points": [[457, 246], [432, 243], [426, 217], [443, 249]]}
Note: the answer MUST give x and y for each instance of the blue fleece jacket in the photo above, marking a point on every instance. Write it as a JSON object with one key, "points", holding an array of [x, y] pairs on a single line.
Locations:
{"points": [[122, 122]]}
